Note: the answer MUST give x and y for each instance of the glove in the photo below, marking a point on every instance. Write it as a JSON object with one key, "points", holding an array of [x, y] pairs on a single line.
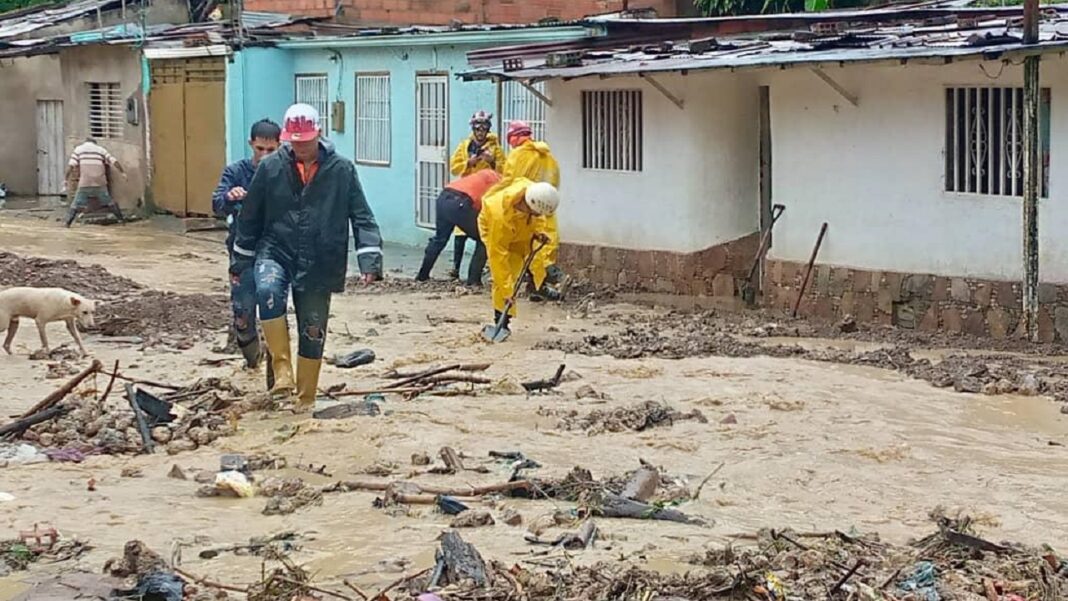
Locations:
{"points": [[554, 274], [541, 238]]}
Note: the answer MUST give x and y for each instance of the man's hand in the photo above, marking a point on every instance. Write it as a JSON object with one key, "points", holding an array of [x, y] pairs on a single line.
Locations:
{"points": [[238, 265], [541, 238], [488, 157], [236, 194], [473, 160]]}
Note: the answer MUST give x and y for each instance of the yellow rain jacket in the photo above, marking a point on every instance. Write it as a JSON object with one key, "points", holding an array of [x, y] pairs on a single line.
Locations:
{"points": [[535, 161], [507, 234], [458, 162]]}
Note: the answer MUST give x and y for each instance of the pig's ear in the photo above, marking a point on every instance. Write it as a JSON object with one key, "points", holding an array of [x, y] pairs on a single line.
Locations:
{"points": [[74, 300]]}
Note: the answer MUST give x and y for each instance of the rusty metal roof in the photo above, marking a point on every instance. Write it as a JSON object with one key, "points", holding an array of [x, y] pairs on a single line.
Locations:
{"points": [[776, 41], [21, 22]]}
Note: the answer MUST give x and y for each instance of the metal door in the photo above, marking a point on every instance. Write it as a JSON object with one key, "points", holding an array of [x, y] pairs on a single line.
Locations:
{"points": [[50, 155], [432, 144]]}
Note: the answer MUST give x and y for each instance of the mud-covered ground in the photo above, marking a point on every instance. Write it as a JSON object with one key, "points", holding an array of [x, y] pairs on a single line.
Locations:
{"points": [[798, 430]]}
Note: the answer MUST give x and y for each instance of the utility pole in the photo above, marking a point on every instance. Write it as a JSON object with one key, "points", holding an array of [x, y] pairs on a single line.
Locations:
{"points": [[1031, 173]]}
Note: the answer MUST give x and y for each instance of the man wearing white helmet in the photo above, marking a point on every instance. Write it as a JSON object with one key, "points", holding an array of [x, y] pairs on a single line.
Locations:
{"points": [[514, 216], [294, 228]]}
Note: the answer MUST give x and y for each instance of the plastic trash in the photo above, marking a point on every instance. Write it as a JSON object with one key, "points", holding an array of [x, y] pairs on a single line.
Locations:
{"points": [[450, 506], [355, 358], [20, 454], [156, 586], [234, 483], [428, 597], [921, 581], [6, 497]]}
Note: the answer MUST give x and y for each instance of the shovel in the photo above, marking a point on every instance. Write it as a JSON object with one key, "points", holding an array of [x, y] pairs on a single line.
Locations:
{"points": [[748, 289], [496, 332]]}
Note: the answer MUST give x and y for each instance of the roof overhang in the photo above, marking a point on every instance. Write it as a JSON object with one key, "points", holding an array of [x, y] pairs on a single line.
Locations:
{"points": [[519, 35], [155, 53]]}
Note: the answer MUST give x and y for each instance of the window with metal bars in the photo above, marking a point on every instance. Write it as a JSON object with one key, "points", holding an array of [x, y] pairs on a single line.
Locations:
{"points": [[106, 112], [612, 130], [984, 140], [372, 118], [313, 90], [520, 104]]}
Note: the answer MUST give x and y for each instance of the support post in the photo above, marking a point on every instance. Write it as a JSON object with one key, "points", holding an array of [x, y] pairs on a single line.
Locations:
{"points": [[837, 87], [1031, 174], [535, 92], [663, 90]]}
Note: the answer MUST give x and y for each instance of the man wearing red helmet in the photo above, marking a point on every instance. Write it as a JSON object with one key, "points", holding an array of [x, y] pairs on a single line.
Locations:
{"points": [[294, 228], [477, 152]]}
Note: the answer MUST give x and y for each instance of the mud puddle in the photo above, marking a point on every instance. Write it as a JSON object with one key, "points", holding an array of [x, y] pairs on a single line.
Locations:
{"points": [[812, 445]]}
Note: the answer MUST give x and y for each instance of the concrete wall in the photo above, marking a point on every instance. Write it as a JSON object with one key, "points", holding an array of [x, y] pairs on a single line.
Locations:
{"points": [[85, 64], [267, 88], [875, 173], [24, 81], [441, 12], [698, 187]]}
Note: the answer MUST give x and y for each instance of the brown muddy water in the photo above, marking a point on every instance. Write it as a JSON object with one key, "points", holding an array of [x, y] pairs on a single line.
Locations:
{"points": [[815, 446]]}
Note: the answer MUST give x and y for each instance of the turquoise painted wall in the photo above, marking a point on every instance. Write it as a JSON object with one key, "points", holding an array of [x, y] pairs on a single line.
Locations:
{"points": [[260, 83]]}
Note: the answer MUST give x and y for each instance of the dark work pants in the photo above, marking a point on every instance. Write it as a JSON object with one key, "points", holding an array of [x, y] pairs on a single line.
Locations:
{"points": [[454, 209], [243, 304]]}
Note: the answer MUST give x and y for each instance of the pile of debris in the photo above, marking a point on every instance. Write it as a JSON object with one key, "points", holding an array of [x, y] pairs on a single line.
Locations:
{"points": [[69, 427], [633, 418], [129, 308], [35, 545]]}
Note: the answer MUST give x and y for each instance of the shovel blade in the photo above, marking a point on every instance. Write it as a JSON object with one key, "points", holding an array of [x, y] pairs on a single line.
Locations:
{"points": [[490, 333]]}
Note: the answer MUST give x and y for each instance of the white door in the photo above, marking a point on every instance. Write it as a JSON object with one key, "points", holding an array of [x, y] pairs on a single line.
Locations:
{"points": [[432, 145], [50, 155]]}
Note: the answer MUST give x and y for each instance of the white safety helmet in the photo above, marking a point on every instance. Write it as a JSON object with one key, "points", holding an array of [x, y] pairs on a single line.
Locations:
{"points": [[542, 198]]}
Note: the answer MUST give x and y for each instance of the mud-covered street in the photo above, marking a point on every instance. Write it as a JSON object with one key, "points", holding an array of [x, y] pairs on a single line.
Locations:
{"points": [[861, 432]]}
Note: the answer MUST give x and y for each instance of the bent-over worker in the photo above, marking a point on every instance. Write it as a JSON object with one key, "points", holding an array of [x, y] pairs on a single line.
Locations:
{"points": [[481, 150], [457, 207], [93, 164], [226, 202], [294, 225], [534, 160], [513, 217]]}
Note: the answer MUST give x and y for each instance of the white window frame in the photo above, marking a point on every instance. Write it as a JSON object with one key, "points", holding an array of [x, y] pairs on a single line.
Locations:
{"points": [[374, 119], [984, 141], [519, 104], [107, 115], [612, 130], [314, 89]]}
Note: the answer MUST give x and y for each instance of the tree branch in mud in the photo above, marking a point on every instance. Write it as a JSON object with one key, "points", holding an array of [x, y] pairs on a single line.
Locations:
{"points": [[17, 427], [473, 491], [62, 392], [549, 384]]}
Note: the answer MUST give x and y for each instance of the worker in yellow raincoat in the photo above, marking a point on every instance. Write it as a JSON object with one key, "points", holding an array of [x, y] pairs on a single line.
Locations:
{"points": [[512, 218], [481, 150], [533, 160]]}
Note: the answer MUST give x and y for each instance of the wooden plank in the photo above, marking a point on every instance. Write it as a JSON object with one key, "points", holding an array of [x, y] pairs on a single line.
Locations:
{"points": [[168, 147]]}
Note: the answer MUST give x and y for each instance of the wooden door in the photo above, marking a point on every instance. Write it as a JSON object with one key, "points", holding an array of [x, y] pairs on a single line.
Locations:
{"points": [[50, 156]]}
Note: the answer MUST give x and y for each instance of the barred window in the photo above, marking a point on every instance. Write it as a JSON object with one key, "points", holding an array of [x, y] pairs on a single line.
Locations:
{"points": [[106, 113], [984, 140], [312, 89], [372, 119], [612, 130], [520, 104]]}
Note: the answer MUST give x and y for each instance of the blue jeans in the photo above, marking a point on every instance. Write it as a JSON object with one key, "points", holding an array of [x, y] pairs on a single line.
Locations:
{"points": [[243, 305], [82, 197], [312, 307]]}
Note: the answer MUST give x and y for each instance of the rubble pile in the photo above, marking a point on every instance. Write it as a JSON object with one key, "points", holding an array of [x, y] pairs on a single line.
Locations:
{"points": [[91, 281], [89, 428], [632, 418]]}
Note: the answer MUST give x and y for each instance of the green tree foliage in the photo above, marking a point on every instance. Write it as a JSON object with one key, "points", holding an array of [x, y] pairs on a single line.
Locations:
{"points": [[9, 5], [719, 8]]}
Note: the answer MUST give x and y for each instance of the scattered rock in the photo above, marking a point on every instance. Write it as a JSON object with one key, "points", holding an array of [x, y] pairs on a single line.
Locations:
{"points": [[634, 418], [420, 459], [729, 420], [571, 376], [970, 385], [472, 519], [137, 560], [181, 446], [511, 517], [507, 386], [1029, 385], [161, 434], [132, 472], [588, 392], [176, 473]]}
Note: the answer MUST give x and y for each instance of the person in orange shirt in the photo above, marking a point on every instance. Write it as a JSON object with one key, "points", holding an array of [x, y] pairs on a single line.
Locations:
{"points": [[458, 206], [481, 150]]}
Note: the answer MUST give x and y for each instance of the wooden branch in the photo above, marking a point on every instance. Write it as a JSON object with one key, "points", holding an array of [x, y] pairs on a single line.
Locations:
{"points": [[142, 382], [407, 390], [545, 384], [382, 593], [314, 588], [452, 460], [426, 374], [209, 583], [473, 491], [356, 590], [394, 374], [111, 382], [62, 392], [19, 426], [615, 506]]}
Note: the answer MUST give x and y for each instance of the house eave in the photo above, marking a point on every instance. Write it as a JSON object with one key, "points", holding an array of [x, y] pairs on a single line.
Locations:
{"points": [[526, 35]]}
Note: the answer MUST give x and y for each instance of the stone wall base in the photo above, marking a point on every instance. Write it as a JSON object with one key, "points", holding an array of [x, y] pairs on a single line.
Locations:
{"points": [[709, 272], [915, 301]]}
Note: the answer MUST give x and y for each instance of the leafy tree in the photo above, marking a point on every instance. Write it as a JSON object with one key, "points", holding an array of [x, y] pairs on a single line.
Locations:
{"points": [[9, 5]]}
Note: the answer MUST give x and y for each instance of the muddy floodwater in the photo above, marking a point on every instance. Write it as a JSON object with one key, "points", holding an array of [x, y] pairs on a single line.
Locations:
{"points": [[808, 445]]}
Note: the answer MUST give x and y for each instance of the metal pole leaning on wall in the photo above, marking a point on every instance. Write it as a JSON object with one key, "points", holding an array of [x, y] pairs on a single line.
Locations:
{"points": [[808, 269], [1031, 173]]}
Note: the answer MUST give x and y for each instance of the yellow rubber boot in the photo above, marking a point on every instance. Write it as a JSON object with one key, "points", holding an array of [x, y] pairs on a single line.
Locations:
{"points": [[276, 331], [307, 381]]}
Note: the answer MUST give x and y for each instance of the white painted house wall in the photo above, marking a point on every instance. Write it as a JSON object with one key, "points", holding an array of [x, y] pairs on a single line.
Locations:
{"points": [[875, 174], [699, 183]]}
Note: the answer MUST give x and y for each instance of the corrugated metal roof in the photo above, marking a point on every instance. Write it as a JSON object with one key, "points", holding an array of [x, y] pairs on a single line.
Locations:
{"points": [[23, 22], [844, 37]]}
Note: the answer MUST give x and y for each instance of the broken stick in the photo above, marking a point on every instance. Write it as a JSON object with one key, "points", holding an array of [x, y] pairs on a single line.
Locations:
{"points": [[472, 491], [62, 392], [615, 506], [452, 460], [111, 382], [549, 384], [142, 424], [17, 427]]}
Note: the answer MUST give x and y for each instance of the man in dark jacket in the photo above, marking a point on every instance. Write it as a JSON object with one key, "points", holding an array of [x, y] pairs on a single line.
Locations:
{"points": [[294, 227], [226, 202]]}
